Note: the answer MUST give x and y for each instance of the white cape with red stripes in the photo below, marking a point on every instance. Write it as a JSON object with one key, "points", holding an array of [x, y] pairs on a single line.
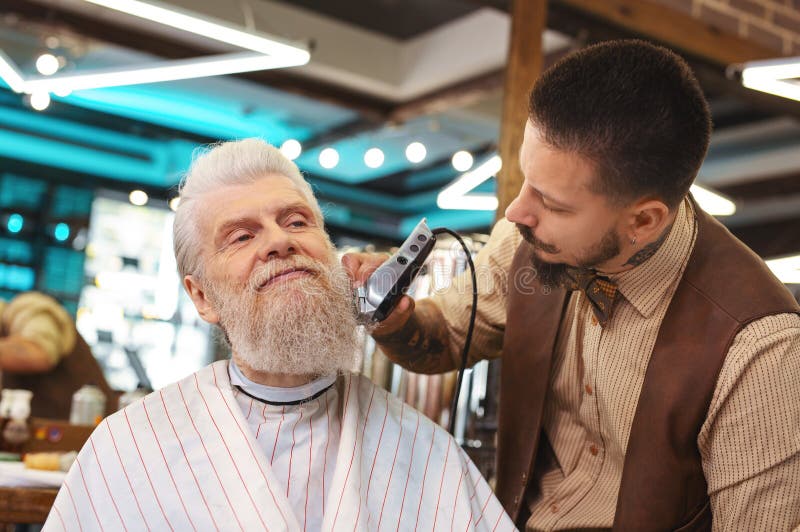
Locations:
{"points": [[184, 459]]}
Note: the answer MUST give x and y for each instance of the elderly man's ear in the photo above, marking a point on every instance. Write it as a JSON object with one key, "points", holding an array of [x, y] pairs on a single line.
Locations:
{"points": [[201, 303]]}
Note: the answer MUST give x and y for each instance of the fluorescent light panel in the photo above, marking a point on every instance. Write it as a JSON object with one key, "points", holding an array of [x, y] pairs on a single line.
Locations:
{"points": [[177, 18], [457, 194], [263, 53], [156, 72], [772, 76], [713, 203], [10, 74], [786, 269]]}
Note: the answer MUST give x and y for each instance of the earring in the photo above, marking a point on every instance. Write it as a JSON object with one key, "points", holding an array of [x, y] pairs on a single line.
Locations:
{"points": [[633, 241]]}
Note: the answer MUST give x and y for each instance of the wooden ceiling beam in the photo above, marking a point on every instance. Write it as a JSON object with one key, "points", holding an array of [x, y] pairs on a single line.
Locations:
{"points": [[674, 28], [525, 63]]}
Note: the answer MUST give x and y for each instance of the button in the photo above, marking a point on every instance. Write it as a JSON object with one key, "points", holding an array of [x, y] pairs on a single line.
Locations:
{"points": [[414, 248], [554, 508], [422, 238], [588, 389], [593, 449], [402, 260], [516, 500], [524, 477]]}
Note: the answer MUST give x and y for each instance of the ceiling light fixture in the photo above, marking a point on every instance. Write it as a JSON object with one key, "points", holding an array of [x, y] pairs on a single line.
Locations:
{"points": [[416, 152], [10, 74], [786, 269], [138, 197], [291, 149], [374, 157], [713, 203], [40, 100], [328, 158], [773, 76], [462, 161], [47, 64], [456, 194], [263, 53]]}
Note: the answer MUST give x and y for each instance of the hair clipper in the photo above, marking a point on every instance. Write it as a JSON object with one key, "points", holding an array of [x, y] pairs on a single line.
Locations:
{"points": [[383, 289]]}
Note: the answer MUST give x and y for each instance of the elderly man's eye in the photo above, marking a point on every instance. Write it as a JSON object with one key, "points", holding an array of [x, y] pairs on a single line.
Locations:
{"points": [[241, 237]]}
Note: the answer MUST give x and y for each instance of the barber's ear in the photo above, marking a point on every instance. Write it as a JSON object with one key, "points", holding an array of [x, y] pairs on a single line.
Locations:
{"points": [[647, 218], [201, 303]]}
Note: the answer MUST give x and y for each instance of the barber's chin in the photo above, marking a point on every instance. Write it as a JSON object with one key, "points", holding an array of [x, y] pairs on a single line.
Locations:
{"points": [[544, 256]]}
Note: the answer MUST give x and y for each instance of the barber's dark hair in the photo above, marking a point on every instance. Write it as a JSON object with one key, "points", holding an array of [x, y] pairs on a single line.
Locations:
{"points": [[635, 110]]}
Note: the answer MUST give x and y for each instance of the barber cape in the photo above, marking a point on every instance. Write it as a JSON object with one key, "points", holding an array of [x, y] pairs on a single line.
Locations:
{"points": [[184, 458]]}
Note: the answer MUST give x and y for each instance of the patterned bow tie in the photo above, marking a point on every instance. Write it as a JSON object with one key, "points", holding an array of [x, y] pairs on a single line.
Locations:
{"points": [[600, 291]]}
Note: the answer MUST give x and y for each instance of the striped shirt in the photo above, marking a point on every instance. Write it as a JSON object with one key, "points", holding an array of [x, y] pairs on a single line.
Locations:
{"points": [[749, 442], [300, 442], [186, 458]]}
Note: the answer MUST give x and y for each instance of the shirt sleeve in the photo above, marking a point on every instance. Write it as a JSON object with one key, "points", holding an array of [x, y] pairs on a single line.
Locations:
{"points": [[492, 264], [750, 442], [41, 319]]}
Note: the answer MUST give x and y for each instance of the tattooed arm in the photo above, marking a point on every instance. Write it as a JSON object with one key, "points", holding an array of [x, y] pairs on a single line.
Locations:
{"points": [[422, 343], [430, 338]]}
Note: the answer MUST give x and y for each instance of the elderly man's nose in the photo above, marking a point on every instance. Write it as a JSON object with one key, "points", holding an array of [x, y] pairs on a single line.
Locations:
{"points": [[277, 244]]}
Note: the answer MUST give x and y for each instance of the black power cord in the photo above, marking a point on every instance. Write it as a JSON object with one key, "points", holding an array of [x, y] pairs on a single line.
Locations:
{"points": [[468, 338]]}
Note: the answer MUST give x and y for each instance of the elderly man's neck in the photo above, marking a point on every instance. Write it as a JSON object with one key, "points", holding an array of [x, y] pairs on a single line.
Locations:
{"points": [[281, 380]]}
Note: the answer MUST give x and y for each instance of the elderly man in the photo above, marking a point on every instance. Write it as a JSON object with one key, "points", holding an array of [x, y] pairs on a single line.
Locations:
{"points": [[283, 436]]}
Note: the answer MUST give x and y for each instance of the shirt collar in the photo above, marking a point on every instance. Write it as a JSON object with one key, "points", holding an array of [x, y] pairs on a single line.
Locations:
{"points": [[645, 285], [275, 394]]}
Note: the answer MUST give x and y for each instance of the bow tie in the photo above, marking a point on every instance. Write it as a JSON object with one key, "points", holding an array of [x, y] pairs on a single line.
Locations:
{"points": [[600, 291]]}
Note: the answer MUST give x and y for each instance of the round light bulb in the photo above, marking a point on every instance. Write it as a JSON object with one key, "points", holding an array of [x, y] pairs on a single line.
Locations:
{"points": [[416, 152], [62, 93], [374, 157], [291, 149], [462, 161], [61, 232], [174, 202], [328, 158], [138, 197], [40, 101], [47, 64], [15, 223]]}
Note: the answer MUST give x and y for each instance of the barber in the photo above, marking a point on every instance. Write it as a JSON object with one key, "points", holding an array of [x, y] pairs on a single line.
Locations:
{"points": [[650, 359], [41, 351]]}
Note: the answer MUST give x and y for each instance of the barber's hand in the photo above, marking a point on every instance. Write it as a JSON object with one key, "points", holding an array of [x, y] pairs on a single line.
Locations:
{"points": [[359, 267]]}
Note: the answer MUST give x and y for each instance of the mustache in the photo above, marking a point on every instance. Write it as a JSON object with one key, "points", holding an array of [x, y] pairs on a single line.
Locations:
{"points": [[276, 267], [529, 237]]}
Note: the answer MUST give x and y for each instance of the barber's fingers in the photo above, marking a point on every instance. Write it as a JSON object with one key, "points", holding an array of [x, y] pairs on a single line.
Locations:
{"points": [[397, 318], [359, 266]]}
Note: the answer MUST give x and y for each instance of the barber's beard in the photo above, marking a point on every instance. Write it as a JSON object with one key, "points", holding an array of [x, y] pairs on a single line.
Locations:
{"points": [[555, 274], [302, 326]]}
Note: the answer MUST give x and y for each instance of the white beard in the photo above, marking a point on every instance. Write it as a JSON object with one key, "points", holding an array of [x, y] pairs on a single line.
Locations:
{"points": [[303, 326]]}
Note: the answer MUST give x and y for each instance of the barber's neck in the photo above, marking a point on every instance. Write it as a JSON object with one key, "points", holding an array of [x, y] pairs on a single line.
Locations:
{"points": [[280, 380], [634, 253]]}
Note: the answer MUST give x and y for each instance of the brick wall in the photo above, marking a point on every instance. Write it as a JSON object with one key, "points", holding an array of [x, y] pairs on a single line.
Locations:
{"points": [[771, 23]]}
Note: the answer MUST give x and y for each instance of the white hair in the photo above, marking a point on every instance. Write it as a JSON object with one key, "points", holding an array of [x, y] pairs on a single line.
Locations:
{"points": [[219, 165]]}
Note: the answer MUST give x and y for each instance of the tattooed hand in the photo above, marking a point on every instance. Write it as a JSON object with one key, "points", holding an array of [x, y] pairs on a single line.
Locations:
{"points": [[421, 342]]}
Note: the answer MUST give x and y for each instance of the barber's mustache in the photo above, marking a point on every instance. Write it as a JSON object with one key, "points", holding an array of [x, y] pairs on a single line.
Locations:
{"points": [[529, 237], [276, 267]]}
